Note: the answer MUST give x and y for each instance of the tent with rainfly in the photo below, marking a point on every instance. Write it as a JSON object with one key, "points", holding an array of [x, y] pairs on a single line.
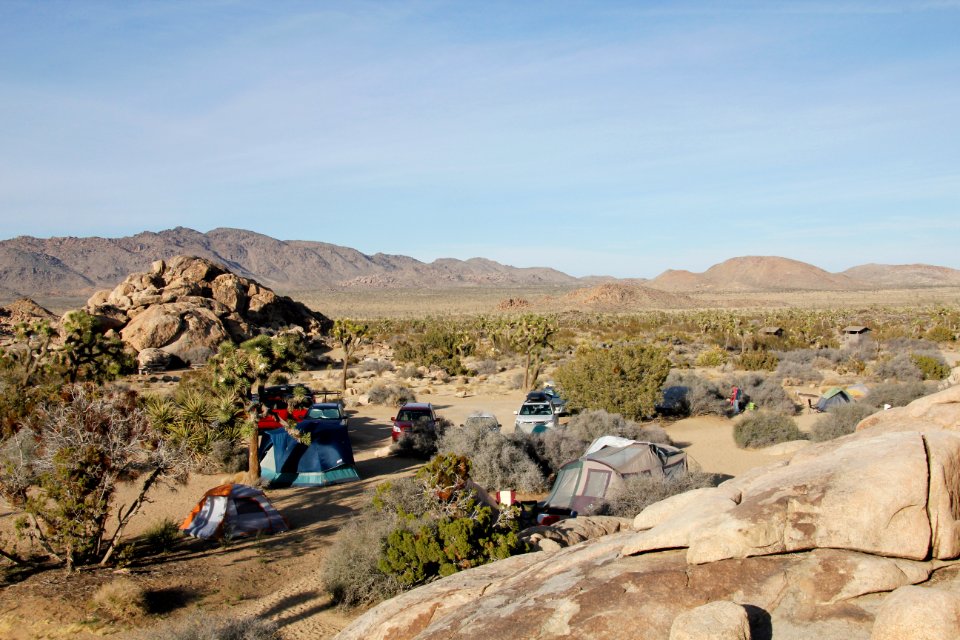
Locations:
{"points": [[585, 481], [321, 456], [832, 398], [233, 511]]}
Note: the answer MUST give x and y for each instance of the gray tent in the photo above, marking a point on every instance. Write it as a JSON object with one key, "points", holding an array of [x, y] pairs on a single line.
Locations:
{"points": [[583, 482], [832, 398]]}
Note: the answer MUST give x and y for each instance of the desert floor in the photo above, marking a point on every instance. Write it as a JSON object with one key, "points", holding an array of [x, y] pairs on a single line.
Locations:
{"points": [[279, 576]]}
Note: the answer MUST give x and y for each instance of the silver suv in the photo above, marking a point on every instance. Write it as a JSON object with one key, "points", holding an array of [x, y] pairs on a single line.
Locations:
{"points": [[536, 417]]}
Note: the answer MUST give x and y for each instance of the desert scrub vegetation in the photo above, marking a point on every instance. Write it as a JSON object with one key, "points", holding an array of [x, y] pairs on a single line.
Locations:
{"points": [[390, 395], [639, 492], [765, 428], [422, 439], [932, 367], [840, 420], [797, 373], [201, 625], [766, 392], [712, 357], [687, 394], [897, 394], [430, 526], [623, 379], [122, 598], [759, 360], [497, 461]]}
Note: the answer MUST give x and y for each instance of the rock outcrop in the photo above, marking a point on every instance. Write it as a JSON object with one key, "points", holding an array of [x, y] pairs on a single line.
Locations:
{"points": [[806, 548], [22, 311], [188, 306]]}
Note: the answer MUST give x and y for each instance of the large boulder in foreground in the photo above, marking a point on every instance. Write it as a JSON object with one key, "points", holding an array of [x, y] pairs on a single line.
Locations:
{"points": [[809, 548], [188, 306]]}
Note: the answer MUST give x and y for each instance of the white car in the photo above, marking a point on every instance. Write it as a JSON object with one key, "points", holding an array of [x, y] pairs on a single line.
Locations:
{"points": [[536, 417]]}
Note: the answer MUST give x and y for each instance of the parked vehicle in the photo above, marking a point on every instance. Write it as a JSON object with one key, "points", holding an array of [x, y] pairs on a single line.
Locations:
{"points": [[413, 413], [536, 417], [278, 400], [550, 395], [482, 419]]}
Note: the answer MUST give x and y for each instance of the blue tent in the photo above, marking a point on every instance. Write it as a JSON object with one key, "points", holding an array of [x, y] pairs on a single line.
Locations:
{"points": [[326, 460]]}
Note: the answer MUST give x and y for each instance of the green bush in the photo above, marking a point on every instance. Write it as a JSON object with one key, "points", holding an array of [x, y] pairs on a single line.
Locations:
{"points": [[940, 333], [639, 492], [714, 357], [931, 367], [840, 420], [758, 361], [624, 379], [765, 428]]}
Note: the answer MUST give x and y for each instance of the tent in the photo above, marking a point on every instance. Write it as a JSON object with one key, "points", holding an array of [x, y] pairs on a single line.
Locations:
{"points": [[857, 391], [327, 459], [832, 398], [587, 480], [233, 511]]}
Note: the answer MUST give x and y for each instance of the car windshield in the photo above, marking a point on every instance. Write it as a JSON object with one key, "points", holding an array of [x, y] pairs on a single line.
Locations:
{"points": [[324, 413], [412, 415], [535, 410]]}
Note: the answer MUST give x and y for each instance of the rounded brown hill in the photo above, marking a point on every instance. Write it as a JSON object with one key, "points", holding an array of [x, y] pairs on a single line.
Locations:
{"points": [[756, 273], [625, 297]]}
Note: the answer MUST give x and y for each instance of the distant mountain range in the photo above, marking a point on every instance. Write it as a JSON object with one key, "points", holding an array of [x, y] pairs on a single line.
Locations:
{"points": [[68, 266]]}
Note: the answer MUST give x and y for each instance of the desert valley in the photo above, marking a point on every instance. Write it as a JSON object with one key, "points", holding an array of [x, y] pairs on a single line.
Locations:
{"points": [[475, 337]]}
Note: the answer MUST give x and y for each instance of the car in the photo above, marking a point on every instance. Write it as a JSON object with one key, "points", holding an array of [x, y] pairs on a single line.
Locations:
{"points": [[327, 411], [420, 414], [549, 394], [536, 417], [482, 419], [278, 400]]}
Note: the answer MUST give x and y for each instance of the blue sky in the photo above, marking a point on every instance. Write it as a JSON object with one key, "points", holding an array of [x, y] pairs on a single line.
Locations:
{"points": [[593, 137]]}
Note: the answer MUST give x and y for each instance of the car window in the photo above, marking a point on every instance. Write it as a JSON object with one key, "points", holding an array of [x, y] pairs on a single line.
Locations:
{"points": [[411, 415], [325, 413]]}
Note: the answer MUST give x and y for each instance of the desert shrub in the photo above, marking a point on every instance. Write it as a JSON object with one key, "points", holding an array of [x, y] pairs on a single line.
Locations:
{"points": [[910, 345], [516, 380], [932, 367], [487, 367], [694, 395], [121, 598], [624, 379], [896, 394], [391, 395], [438, 345], [206, 626], [713, 357], [803, 357], [760, 360], [797, 373], [459, 533], [766, 392], [840, 420], [939, 333], [496, 460], [409, 372], [378, 367], [421, 440], [766, 428], [639, 492], [226, 456], [162, 536], [350, 570], [863, 350], [900, 367], [590, 425]]}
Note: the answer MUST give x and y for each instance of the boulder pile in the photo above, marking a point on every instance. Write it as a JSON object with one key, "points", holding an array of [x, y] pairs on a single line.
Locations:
{"points": [[856, 538], [187, 306]]}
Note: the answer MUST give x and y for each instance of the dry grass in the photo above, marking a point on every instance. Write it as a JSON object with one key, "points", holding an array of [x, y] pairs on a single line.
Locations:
{"points": [[121, 599]]}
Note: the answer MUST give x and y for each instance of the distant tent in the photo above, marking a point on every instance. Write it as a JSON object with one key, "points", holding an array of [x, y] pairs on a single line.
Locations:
{"points": [[233, 511], [832, 398], [585, 481], [326, 460]]}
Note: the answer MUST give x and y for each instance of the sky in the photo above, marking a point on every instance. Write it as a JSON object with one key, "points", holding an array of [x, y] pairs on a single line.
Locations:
{"points": [[615, 138]]}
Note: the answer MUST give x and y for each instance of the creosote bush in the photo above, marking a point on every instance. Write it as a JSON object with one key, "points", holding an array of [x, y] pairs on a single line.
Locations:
{"points": [[932, 367], [391, 395], [713, 357], [760, 360], [840, 420], [765, 428], [639, 492]]}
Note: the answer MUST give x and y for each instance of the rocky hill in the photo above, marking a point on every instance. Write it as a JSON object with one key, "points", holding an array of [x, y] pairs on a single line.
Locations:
{"points": [[756, 273], [625, 296], [907, 276], [56, 266]]}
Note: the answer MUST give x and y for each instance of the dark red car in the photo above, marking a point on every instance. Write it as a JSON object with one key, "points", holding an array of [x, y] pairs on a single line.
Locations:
{"points": [[413, 413]]}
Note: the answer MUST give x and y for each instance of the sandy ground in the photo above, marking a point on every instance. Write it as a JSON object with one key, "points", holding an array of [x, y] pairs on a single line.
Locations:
{"points": [[278, 577]]}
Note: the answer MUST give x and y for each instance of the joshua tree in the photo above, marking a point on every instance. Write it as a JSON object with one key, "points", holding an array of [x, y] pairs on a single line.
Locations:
{"points": [[530, 334], [348, 334], [246, 369]]}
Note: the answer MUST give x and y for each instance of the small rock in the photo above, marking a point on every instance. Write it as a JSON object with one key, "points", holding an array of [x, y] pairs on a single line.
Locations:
{"points": [[918, 613], [721, 620]]}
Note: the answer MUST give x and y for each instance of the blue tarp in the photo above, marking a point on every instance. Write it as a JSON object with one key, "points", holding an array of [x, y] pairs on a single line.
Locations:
{"points": [[328, 459]]}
